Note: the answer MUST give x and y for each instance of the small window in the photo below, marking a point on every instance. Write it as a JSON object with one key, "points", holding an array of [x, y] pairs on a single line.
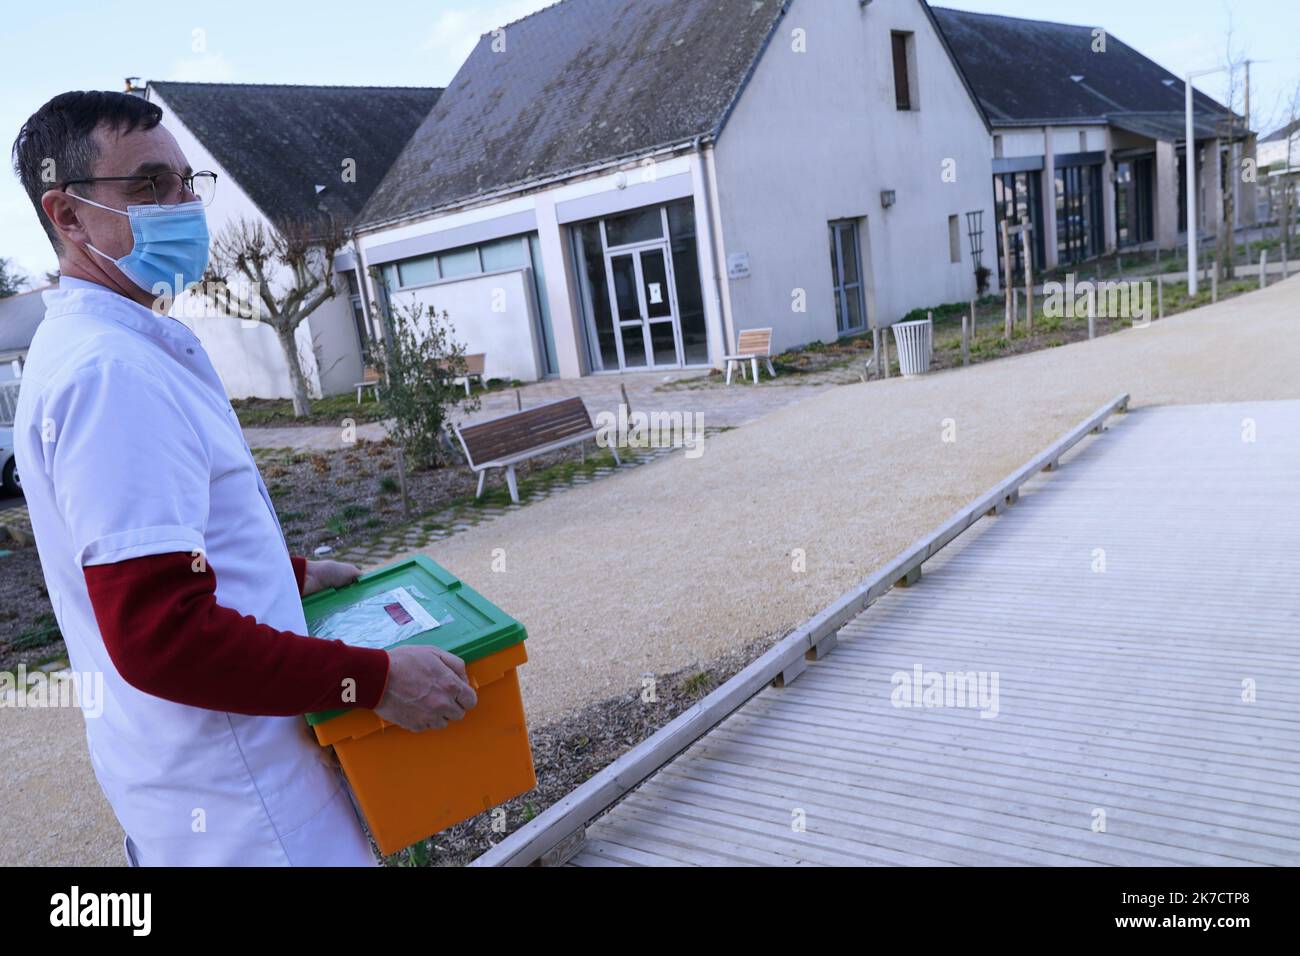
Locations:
{"points": [[1083, 141], [904, 71], [504, 254], [954, 239], [422, 271], [997, 146], [459, 262], [641, 225]]}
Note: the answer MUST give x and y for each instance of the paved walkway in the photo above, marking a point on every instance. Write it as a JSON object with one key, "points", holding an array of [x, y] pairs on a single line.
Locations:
{"points": [[1115, 724]]}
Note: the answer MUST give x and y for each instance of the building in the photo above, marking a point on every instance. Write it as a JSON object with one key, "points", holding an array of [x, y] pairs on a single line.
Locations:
{"points": [[1279, 168], [1089, 138], [285, 154], [617, 185], [612, 185], [19, 316]]}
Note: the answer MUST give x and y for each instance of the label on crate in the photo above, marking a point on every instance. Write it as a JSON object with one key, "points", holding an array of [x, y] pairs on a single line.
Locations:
{"points": [[378, 621]]}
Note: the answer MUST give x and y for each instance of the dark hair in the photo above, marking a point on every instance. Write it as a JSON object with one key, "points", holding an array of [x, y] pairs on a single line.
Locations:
{"points": [[59, 137]]}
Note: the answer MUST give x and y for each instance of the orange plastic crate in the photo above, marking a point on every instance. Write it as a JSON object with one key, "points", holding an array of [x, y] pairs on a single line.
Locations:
{"points": [[411, 786]]}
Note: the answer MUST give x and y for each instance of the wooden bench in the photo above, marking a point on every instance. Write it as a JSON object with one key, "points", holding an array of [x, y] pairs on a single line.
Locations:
{"points": [[506, 441], [474, 365], [369, 379], [754, 344]]}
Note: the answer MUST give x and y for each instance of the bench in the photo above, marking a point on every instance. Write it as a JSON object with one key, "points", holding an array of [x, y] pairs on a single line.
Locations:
{"points": [[369, 379], [474, 365], [511, 439], [754, 344]]}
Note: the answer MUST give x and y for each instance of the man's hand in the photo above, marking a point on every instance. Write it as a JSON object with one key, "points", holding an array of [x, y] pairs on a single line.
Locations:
{"points": [[328, 574], [427, 689]]}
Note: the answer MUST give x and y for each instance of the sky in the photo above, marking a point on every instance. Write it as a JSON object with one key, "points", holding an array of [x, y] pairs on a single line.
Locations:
{"points": [[95, 44]]}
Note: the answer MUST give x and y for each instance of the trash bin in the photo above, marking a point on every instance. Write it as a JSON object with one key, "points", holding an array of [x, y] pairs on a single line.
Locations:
{"points": [[915, 341], [410, 786]]}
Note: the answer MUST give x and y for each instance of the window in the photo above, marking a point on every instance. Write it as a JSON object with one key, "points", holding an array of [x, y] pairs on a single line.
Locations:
{"points": [[1134, 213], [358, 315], [643, 225], [1078, 212], [504, 254], [997, 146], [690, 287], [846, 277], [420, 271], [904, 71], [1016, 197], [954, 239], [460, 262]]}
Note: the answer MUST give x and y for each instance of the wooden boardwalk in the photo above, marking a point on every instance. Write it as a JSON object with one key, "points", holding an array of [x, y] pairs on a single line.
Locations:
{"points": [[1125, 605]]}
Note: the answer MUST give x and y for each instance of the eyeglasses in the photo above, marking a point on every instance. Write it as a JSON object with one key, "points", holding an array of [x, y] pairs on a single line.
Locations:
{"points": [[163, 189]]}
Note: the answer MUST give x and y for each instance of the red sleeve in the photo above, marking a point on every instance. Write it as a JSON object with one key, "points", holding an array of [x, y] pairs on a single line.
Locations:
{"points": [[300, 572], [167, 636]]}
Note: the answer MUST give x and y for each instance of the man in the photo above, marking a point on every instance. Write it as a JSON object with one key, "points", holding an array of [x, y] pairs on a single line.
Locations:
{"points": [[163, 556]]}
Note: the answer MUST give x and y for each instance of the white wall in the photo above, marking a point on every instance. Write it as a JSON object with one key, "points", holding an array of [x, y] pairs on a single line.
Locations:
{"points": [[816, 137], [492, 314], [1018, 142], [335, 343], [250, 360]]}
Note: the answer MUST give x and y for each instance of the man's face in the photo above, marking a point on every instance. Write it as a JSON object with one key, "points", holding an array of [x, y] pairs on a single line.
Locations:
{"points": [[138, 153]]}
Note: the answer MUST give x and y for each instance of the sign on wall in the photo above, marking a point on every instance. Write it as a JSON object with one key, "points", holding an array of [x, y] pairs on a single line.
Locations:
{"points": [[738, 265]]}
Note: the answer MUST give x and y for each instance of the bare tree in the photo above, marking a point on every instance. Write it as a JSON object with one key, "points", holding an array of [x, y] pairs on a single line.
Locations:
{"points": [[278, 276], [1225, 248], [1286, 218]]}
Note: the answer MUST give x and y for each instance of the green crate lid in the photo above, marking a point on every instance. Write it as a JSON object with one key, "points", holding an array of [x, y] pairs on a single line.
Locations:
{"points": [[469, 625]]}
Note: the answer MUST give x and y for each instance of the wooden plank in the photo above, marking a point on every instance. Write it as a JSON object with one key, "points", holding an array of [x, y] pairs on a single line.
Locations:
{"points": [[1119, 691], [527, 844]]}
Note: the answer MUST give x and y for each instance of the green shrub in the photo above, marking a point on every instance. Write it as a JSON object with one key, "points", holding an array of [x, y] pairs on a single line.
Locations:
{"points": [[421, 360]]}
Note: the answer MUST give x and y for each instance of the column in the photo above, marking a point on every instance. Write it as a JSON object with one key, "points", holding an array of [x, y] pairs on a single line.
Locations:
{"points": [[1048, 190], [1211, 181], [1109, 233], [559, 291], [1166, 197]]}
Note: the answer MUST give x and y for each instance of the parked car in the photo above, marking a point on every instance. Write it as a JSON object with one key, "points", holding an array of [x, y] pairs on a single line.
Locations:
{"points": [[8, 467]]}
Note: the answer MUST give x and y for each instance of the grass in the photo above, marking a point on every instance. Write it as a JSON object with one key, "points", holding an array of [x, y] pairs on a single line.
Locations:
{"points": [[44, 631], [1132, 263], [273, 412], [498, 495], [698, 684], [332, 410]]}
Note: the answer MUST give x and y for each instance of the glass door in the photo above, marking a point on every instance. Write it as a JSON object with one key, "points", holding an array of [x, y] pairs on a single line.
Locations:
{"points": [[641, 289]]}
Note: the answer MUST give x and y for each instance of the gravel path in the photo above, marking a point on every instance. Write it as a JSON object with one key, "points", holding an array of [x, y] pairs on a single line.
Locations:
{"points": [[686, 560]]}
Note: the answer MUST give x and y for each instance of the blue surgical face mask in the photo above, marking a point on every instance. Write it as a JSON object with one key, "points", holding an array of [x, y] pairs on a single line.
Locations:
{"points": [[171, 245]]}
